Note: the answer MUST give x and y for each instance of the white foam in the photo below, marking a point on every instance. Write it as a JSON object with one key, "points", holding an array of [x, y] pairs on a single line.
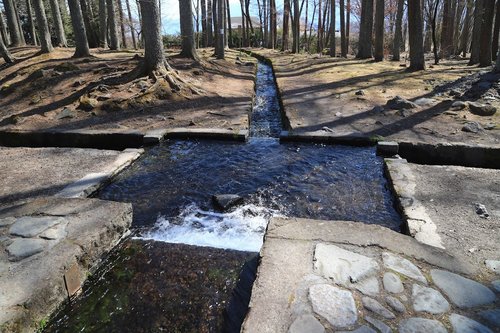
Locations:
{"points": [[242, 229]]}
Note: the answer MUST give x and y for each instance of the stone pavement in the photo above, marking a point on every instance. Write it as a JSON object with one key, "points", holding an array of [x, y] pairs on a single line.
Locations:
{"points": [[40, 242], [335, 276]]}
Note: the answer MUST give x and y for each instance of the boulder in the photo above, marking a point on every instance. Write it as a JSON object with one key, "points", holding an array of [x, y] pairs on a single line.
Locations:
{"points": [[482, 109], [458, 105], [226, 201], [399, 103], [472, 127], [87, 103]]}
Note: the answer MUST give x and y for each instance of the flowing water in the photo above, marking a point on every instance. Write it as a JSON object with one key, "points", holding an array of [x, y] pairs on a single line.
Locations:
{"points": [[178, 272]]}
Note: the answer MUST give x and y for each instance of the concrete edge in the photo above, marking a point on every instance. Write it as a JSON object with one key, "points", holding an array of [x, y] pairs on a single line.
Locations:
{"points": [[206, 133], [92, 182], [350, 139]]}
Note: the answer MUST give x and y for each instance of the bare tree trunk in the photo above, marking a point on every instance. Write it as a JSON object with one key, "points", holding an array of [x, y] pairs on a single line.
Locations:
{"points": [[416, 35], [466, 29], [456, 29], [486, 33], [131, 24], [272, 24], [204, 37], [16, 35], [311, 27], [496, 31], [92, 38], [103, 24], [333, 50], [446, 32], [58, 23], [229, 37], [31, 22], [219, 50], [286, 19], [366, 30], [266, 22], [3, 31], [319, 45], [379, 30], [20, 26], [398, 35], [114, 41], [122, 24], [187, 33], [348, 25], [4, 53], [497, 65], [434, 37], [81, 43], [476, 33], [43, 27], [296, 30], [154, 60], [210, 37], [343, 45]]}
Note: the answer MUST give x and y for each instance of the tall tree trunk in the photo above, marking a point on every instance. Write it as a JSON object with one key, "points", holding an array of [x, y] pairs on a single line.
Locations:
{"points": [[58, 23], [103, 24], [266, 22], [131, 25], [296, 30], [224, 22], [272, 24], [447, 28], [204, 38], [496, 31], [486, 34], [398, 34], [20, 26], [154, 60], [114, 41], [286, 18], [219, 51], [43, 27], [416, 35], [187, 32], [434, 37], [31, 22], [4, 53], [348, 25], [311, 27], [210, 36], [243, 25], [229, 37], [456, 30], [366, 30], [379, 30], [81, 43], [466, 29], [3, 31], [343, 45], [333, 50], [476, 33], [305, 26], [319, 45], [16, 35], [122, 24]]}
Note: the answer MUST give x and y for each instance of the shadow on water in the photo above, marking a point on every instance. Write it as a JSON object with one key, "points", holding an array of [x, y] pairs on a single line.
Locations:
{"points": [[183, 270]]}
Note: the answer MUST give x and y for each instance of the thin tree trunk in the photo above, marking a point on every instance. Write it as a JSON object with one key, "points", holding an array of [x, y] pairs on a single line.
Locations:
{"points": [[3, 31], [286, 16], [466, 30], [476, 33], [80, 35], [204, 38], [333, 51], [319, 45], [103, 24], [272, 24], [343, 44], [366, 30], [311, 27], [446, 42], [486, 33], [266, 22], [243, 25], [31, 22], [43, 27], [87, 16], [16, 38], [20, 26], [456, 29], [348, 25], [210, 37], [219, 51], [305, 26], [398, 34], [496, 31], [229, 37], [187, 32], [379, 30], [58, 23], [114, 41], [131, 24], [4, 53], [122, 24], [434, 37], [416, 35], [296, 32]]}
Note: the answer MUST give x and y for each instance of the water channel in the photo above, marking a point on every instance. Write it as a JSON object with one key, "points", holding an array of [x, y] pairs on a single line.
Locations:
{"points": [[182, 269]]}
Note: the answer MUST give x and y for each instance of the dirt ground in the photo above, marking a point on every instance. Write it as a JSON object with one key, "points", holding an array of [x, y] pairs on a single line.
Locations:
{"points": [[57, 92], [320, 92]]}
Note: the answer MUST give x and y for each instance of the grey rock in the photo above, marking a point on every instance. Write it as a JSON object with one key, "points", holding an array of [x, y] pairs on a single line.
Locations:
{"points": [[360, 93], [405, 113], [463, 292], [379, 325], [361, 329], [392, 283], [306, 324], [496, 285], [454, 92], [428, 300], [398, 103], [493, 265], [492, 317], [458, 105], [57, 232], [343, 266], [472, 127], [378, 109], [402, 266], [490, 126], [395, 304], [7, 221], [463, 324], [369, 286], [481, 210], [375, 307], [226, 201], [25, 247], [421, 325], [66, 113], [334, 304], [30, 226], [482, 109], [425, 101], [327, 129]]}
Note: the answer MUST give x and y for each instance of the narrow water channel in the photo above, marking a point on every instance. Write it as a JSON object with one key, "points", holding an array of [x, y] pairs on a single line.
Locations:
{"points": [[178, 272]]}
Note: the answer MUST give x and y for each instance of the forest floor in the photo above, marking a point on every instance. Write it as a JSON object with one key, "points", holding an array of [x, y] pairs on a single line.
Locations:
{"points": [[349, 96], [41, 92]]}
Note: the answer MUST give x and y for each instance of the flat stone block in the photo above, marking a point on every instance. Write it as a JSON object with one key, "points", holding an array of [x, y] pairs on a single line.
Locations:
{"points": [[334, 304], [30, 226], [22, 248], [387, 148], [403, 266]]}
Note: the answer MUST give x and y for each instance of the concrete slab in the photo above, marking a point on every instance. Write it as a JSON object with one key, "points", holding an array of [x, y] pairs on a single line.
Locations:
{"points": [[34, 172], [32, 275], [445, 197], [286, 277]]}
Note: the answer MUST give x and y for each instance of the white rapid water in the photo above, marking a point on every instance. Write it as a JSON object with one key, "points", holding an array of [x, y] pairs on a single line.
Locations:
{"points": [[242, 229]]}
